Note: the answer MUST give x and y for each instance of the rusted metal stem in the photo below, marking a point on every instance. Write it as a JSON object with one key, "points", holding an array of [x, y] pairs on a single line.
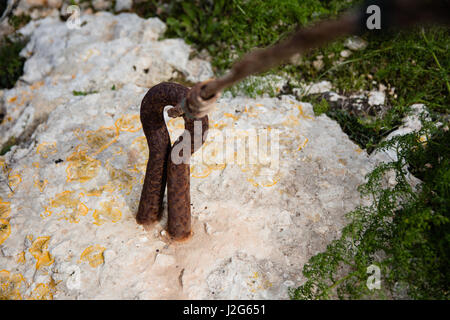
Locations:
{"points": [[261, 60], [403, 13], [161, 168]]}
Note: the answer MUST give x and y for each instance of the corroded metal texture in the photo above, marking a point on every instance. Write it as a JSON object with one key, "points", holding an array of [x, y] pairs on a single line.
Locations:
{"points": [[160, 167]]}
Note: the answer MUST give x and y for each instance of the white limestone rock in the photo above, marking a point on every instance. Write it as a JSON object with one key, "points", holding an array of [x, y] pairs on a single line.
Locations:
{"points": [[122, 5], [313, 88], [106, 52], [376, 98], [345, 53], [69, 195], [411, 123], [355, 43], [101, 4]]}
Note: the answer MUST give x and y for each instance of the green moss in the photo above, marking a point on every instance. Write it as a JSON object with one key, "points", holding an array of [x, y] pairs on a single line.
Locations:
{"points": [[255, 86], [228, 29], [321, 107], [414, 62], [19, 21], [405, 232], [84, 93], [8, 145], [11, 64]]}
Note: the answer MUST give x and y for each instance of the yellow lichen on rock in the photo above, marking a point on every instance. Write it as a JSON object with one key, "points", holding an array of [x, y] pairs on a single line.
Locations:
{"points": [[10, 284], [263, 182], [261, 175], [93, 255], [251, 111], [219, 125], [301, 113], [200, 171], [210, 157], [40, 184], [303, 145], [72, 207], [121, 180], [175, 123], [81, 167], [256, 283], [232, 116], [37, 85], [46, 149], [109, 212], [97, 192], [293, 118], [39, 251], [12, 99], [43, 291], [291, 121], [91, 52], [94, 192], [5, 230], [139, 147], [3, 165], [129, 123], [47, 213], [5, 209], [140, 144], [20, 258], [100, 139], [25, 96], [14, 180], [118, 151]]}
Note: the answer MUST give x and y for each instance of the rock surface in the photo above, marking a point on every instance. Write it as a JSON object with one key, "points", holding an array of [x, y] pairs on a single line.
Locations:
{"points": [[123, 5], [106, 52], [355, 43], [68, 195]]}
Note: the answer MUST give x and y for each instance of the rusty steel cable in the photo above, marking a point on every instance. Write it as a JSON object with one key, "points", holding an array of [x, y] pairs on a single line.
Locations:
{"points": [[395, 13]]}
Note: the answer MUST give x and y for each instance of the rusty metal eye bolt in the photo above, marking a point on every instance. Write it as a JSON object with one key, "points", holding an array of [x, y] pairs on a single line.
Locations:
{"points": [[161, 168]]}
